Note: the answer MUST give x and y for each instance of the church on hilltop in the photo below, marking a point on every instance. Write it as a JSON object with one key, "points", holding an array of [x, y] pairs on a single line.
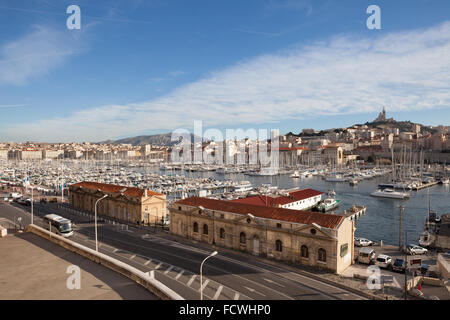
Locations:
{"points": [[382, 117]]}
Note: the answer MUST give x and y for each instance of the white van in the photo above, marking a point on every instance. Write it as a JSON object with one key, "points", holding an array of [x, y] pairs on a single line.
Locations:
{"points": [[366, 255]]}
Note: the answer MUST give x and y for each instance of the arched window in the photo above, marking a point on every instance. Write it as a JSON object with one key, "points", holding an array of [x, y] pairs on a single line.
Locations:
{"points": [[279, 245], [205, 229], [304, 252], [242, 238], [222, 233], [195, 227], [322, 255]]}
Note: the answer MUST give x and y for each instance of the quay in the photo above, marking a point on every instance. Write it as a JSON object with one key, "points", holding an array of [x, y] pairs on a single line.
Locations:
{"points": [[354, 212], [425, 185]]}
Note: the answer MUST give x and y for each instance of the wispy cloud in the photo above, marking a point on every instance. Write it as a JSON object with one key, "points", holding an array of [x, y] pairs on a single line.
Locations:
{"points": [[35, 54], [343, 75]]}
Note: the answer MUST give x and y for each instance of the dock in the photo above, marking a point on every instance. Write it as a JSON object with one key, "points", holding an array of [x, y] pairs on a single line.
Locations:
{"points": [[425, 185], [354, 212]]}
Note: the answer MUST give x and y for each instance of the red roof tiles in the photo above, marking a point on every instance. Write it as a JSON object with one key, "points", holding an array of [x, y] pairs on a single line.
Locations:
{"points": [[130, 191], [296, 216], [280, 200]]}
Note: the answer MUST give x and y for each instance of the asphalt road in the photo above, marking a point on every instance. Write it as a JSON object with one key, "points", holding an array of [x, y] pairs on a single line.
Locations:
{"points": [[176, 264]]}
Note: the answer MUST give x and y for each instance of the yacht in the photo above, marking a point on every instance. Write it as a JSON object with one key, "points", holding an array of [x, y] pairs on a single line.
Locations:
{"points": [[335, 178], [243, 186], [295, 175], [390, 193]]}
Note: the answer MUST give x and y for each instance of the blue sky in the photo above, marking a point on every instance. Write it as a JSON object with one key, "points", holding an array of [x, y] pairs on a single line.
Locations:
{"points": [[143, 67]]}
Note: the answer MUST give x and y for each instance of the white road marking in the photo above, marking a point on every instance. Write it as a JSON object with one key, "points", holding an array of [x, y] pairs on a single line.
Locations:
{"points": [[273, 282], [159, 265], [191, 280], [168, 270], [236, 296], [205, 283], [253, 290], [179, 275], [148, 261], [218, 293], [133, 256]]}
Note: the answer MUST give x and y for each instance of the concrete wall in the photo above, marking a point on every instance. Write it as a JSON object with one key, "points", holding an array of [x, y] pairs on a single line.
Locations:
{"points": [[151, 284]]}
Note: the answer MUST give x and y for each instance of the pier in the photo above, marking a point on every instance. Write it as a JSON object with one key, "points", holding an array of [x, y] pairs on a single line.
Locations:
{"points": [[354, 212], [425, 185]]}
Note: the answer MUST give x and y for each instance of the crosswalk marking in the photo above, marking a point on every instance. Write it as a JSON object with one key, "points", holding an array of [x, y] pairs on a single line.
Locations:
{"points": [[218, 293], [205, 283], [179, 275], [168, 270], [191, 280]]}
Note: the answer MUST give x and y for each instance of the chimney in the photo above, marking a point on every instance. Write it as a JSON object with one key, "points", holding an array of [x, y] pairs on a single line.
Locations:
{"points": [[145, 194]]}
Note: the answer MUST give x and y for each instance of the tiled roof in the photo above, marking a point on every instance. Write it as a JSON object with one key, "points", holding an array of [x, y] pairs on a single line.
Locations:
{"points": [[279, 200], [296, 216], [130, 191]]}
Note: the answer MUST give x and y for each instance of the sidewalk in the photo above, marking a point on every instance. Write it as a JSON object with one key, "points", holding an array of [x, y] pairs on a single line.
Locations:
{"points": [[34, 268]]}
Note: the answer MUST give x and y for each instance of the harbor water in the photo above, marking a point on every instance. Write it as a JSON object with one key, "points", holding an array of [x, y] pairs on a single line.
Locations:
{"points": [[381, 221]]}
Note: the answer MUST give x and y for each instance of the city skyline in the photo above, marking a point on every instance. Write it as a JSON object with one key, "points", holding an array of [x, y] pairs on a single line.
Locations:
{"points": [[287, 65]]}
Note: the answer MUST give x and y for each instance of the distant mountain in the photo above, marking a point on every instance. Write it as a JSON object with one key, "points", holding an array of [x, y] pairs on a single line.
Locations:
{"points": [[156, 139]]}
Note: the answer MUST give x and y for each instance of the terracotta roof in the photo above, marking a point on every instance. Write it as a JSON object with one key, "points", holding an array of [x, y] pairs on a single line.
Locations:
{"points": [[279, 200], [296, 216], [130, 191]]}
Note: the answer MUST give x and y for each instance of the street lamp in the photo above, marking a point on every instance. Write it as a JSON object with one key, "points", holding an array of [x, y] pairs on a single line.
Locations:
{"points": [[201, 273], [95, 209]]}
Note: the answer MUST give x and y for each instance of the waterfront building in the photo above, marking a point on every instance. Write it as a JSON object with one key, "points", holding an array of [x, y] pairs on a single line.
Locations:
{"points": [[313, 239], [290, 199], [124, 203], [3, 154]]}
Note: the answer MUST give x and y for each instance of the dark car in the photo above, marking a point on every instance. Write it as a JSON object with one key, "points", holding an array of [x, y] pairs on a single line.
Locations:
{"points": [[399, 265]]}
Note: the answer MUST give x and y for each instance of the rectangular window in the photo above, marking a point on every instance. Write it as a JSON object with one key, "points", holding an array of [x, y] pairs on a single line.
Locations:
{"points": [[344, 249], [278, 225]]}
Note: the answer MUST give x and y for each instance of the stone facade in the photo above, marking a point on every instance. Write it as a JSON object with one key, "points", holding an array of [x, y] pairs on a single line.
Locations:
{"points": [[327, 244], [123, 203]]}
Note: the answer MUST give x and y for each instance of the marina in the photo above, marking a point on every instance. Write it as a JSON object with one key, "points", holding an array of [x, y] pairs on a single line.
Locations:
{"points": [[378, 221]]}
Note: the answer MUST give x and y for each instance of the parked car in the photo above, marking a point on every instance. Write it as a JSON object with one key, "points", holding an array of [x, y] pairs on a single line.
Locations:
{"points": [[384, 261], [366, 255], [414, 249], [399, 265], [362, 242]]}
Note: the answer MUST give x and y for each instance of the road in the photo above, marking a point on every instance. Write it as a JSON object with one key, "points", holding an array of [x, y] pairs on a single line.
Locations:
{"points": [[225, 276]]}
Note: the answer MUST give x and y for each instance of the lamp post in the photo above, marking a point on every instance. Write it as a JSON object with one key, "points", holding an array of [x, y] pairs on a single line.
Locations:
{"points": [[201, 273], [32, 200], [95, 209]]}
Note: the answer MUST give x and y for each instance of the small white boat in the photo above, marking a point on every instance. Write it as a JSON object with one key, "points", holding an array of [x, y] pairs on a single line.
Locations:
{"points": [[295, 175], [390, 193]]}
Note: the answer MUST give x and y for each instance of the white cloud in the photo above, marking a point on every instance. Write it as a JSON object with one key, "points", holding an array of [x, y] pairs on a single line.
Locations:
{"points": [[344, 75], [35, 54]]}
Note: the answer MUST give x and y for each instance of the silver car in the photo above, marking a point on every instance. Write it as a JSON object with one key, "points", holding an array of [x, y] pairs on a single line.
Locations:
{"points": [[384, 261], [362, 242], [414, 249]]}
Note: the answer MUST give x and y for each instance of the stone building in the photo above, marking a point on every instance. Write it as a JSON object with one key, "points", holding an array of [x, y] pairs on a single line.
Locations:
{"points": [[308, 238], [125, 203]]}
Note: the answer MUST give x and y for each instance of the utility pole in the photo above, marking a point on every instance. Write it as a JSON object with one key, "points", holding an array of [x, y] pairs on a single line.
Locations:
{"points": [[406, 263], [400, 228]]}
